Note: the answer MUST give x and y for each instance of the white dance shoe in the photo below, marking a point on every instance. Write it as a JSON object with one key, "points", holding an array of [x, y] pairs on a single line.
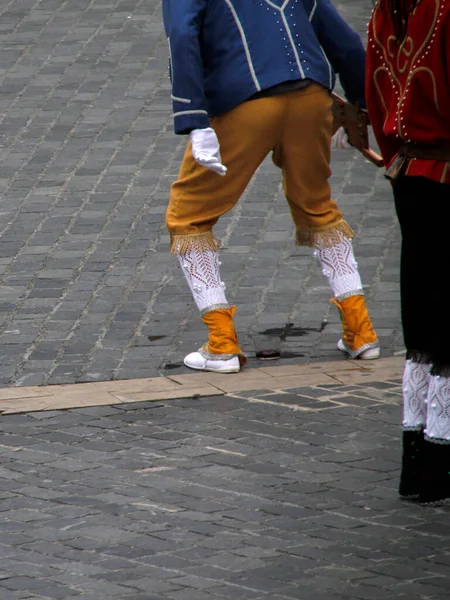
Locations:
{"points": [[197, 361], [369, 354]]}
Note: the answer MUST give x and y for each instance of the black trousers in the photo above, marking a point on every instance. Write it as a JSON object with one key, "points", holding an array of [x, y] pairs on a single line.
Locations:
{"points": [[423, 210]]}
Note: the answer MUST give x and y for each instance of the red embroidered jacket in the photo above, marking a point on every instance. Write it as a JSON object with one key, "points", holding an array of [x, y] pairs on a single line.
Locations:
{"points": [[408, 85]]}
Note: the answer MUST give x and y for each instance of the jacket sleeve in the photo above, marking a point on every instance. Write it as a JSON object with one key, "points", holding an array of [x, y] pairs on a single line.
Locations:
{"points": [[343, 48], [183, 21]]}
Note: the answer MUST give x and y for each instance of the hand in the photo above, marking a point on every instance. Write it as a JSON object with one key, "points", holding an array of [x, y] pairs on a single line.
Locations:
{"points": [[206, 150], [339, 139]]}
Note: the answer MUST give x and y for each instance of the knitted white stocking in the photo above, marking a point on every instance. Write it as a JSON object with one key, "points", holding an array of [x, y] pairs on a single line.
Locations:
{"points": [[201, 269], [416, 378], [340, 267], [438, 414]]}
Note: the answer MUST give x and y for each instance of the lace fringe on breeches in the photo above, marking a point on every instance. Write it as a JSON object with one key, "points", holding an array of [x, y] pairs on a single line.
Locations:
{"points": [[324, 237], [311, 237], [193, 242]]}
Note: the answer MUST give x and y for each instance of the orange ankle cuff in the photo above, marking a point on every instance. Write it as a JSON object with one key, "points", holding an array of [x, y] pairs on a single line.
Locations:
{"points": [[222, 334]]}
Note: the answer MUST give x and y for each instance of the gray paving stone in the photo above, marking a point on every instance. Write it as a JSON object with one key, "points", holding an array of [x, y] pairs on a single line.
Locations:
{"points": [[329, 524], [88, 158]]}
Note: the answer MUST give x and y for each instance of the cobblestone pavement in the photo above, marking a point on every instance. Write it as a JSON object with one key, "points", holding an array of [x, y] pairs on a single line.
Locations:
{"points": [[88, 289], [253, 495], [258, 494]]}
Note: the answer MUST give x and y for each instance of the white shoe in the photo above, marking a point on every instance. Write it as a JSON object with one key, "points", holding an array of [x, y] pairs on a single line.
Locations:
{"points": [[195, 360], [369, 354]]}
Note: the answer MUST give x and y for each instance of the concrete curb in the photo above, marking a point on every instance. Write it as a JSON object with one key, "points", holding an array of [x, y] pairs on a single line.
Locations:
{"points": [[30, 399]]}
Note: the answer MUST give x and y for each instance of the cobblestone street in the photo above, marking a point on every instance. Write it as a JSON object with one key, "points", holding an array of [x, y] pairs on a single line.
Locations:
{"points": [[253, 495], [133, 478], [89, 291]]}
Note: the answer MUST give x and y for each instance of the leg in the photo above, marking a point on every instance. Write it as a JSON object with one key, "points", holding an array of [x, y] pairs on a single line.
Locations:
{"points": [[426, 389], [419, 263], [198, 198], [340, 267], [434, 475], [201, 269], [416, 379], [304, 156]]}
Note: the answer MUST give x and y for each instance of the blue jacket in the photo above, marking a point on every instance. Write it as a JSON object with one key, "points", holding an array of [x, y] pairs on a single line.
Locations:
{"points": [[224, 51]]}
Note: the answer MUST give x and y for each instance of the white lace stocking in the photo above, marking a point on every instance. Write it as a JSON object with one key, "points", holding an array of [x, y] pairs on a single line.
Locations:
{"points": [[438, 417], [340, 267], [416, 378], [201, 269]]}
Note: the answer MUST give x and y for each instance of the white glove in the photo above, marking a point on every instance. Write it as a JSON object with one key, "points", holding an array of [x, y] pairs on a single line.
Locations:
{"points": [[339, 139], [206, 150]]}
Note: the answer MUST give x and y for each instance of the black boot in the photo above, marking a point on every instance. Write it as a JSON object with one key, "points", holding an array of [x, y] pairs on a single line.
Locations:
{"points": [[434, 472], [412, 451]]}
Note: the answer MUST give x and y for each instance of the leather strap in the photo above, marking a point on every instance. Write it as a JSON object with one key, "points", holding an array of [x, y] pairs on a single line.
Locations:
{"points": [[426, 152]]}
